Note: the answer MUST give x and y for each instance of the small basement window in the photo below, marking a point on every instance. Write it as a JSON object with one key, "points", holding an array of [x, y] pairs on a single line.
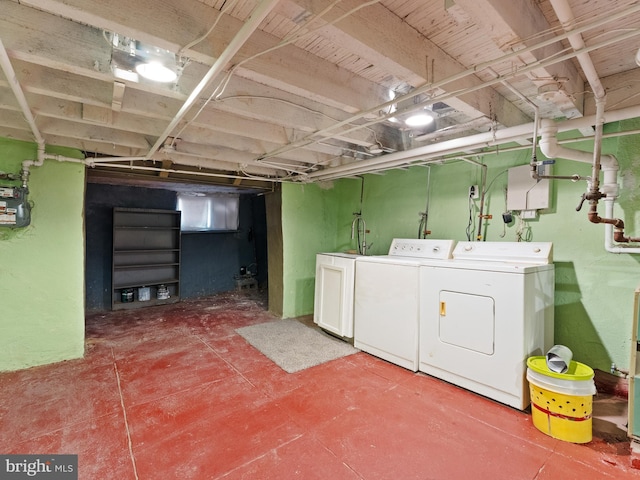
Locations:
{"points": [[208, 213]]}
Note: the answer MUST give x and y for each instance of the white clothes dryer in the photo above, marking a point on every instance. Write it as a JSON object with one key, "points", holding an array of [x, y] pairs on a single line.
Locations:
{"points": [[484, 313], [387, 299]]}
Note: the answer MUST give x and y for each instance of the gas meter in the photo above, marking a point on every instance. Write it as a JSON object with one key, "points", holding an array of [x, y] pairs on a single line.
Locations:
{"points": [[15, 210]]}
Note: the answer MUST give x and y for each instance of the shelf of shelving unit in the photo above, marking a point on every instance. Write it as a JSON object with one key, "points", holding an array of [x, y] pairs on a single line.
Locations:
{"points": [[146, 255]]}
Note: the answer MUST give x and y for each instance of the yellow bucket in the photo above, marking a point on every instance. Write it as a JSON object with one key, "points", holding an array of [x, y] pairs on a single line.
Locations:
{"points": [[562, 403]]}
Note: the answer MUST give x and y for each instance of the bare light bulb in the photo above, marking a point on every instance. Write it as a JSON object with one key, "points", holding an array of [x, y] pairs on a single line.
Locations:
{"points": [[156, 71], [419, 120]]}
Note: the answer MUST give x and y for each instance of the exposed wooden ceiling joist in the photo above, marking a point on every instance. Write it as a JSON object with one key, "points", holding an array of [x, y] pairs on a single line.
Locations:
{"points": [[310, 65]]}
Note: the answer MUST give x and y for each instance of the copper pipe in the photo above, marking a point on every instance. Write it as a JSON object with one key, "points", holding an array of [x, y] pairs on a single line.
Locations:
{"points": [[595, 218], [594, 194], [618, 225], [618, 236]]}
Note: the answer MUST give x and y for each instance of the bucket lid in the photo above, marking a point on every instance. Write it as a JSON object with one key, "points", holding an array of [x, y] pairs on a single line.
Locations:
{"points": [[576, 371]]}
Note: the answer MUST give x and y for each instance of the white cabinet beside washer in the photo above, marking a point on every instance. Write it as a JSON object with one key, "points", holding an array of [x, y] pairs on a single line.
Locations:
{"points": [[334, 293]]}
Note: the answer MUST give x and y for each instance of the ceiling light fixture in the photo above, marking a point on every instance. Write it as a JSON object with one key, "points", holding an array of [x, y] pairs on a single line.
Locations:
{"points": [[156, 72], [131, 58], [419, 120], [156, 64], [375, 149]]}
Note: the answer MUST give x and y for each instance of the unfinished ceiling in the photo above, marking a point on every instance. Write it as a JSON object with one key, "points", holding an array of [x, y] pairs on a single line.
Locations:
{"points": [[305, 90]]}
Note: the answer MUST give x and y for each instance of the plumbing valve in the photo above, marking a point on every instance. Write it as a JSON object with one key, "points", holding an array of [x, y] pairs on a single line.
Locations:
{"points": [[590, 196]]}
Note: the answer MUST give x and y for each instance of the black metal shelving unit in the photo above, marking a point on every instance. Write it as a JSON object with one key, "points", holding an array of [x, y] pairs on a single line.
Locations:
{"points": [[146, 257]]}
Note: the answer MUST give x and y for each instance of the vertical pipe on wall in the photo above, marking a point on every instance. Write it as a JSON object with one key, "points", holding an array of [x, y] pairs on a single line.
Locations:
{"points": [[565, 15], [483, 181], [423, 229]]}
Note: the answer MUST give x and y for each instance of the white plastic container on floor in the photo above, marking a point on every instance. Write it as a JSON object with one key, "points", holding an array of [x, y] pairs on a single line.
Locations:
{"points": [[562, 403]]}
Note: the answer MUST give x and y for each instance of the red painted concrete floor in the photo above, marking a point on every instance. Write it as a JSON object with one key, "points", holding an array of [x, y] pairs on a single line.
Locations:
{"points": [[175, 393]]}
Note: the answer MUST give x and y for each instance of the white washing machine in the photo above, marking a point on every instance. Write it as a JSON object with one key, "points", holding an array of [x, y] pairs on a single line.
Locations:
{"points": [[387, 299], [484, 313], [334, 293]]}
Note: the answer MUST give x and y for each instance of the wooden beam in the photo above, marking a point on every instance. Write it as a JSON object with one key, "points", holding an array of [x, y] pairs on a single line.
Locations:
{"points": [[166, 164], [118, 94], [623, 90], [172, 28], [511, 25], [103, 134], [386, 40]]}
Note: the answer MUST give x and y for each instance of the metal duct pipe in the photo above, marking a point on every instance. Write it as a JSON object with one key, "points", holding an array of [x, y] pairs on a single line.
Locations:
{"points": [[251, 25]]}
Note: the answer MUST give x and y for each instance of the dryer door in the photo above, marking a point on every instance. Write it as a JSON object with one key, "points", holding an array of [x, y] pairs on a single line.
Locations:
{"points": [[467, 321], [472, 331]]}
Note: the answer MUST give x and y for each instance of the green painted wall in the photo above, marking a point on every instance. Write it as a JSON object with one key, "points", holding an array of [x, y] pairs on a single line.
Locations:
{"points": [[594, 288], [42, 265], [315, 218]]}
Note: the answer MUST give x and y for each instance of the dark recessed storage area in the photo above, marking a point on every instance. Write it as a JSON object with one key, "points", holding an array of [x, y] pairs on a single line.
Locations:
{"points": [[136, 252]]}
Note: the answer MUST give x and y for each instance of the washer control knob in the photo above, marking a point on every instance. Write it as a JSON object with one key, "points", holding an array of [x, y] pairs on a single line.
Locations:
{"points": [[468, 248], [536, 250], [436, 249]]}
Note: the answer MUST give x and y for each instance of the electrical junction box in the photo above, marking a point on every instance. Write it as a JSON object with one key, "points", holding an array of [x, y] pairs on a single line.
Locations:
{"points": [[524, 193], [15, 210]]}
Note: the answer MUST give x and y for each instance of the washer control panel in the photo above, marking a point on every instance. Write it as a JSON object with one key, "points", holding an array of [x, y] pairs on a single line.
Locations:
{"points": [[421, 248]]}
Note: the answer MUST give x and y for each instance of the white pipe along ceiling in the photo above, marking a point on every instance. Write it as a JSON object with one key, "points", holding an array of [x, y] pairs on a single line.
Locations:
{"points": [[277, 91]]}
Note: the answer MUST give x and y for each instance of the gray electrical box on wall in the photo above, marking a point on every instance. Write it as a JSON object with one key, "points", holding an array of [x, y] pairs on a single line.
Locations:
{"points": [[15, 210], [526, 193]]}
